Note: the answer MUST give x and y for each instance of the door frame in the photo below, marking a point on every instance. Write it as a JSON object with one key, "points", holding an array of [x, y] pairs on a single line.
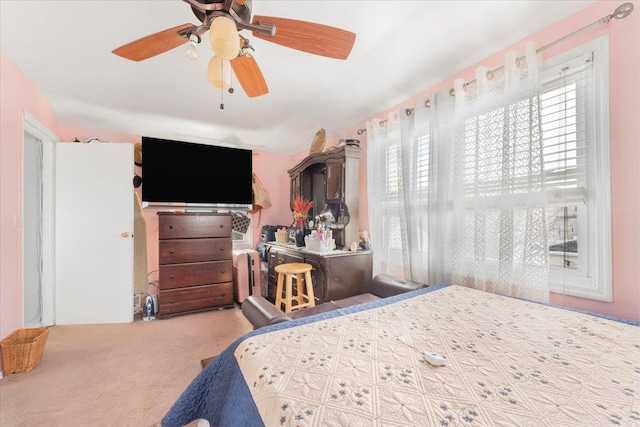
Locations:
{"points": [[32, 126]]}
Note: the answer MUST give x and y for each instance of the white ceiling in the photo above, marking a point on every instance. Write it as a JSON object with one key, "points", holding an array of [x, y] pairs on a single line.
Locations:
{"points": [[401, 48]]}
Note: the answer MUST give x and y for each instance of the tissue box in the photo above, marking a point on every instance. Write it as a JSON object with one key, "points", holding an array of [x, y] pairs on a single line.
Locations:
{"points": [[319, 245]]}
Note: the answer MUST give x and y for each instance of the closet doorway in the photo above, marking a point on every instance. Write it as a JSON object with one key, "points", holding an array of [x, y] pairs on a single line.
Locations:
{"points": [[37, 223]]}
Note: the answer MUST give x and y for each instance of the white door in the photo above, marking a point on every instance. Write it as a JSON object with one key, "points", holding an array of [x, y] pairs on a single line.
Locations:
{"points": [[94, 228]]}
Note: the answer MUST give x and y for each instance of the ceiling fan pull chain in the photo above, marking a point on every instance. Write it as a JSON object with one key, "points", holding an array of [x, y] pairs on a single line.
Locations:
{"points": [[222, 97]]}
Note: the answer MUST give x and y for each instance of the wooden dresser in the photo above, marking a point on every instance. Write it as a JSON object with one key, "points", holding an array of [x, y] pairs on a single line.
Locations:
{"points": [[331, 180], [336, 274], [195, 262]]}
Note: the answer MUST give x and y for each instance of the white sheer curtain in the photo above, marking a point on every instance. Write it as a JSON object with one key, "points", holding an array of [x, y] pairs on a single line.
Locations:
{"points": [[427, 146], [440, 210], [409, 179], [387, 221], [416, 164], [499, 230]]}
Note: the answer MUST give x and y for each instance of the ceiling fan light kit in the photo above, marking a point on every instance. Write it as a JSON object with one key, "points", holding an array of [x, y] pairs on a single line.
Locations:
{"points": [[219, 72], [224, 38], [224, 19], [192, 52]]}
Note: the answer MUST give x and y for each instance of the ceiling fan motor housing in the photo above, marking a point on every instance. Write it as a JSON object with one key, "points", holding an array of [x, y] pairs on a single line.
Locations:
{"points": [[240, 11]]}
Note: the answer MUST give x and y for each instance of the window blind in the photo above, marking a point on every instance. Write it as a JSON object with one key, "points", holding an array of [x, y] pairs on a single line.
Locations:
{"points": [[422, 162], [392, 168], [564, 133]]}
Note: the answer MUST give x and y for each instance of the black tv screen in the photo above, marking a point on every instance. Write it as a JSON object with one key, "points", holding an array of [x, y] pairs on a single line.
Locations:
{"points": [[176, 173]]}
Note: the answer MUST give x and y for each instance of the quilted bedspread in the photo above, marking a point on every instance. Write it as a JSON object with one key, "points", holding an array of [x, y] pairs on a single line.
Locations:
{"points": [[508, 362]]}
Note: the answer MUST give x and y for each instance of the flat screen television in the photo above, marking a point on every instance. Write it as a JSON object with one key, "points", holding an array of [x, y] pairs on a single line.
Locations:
{"points": [[193, 176]]}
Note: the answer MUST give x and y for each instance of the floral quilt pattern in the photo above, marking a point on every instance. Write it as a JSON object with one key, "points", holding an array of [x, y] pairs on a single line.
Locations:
{"points": [[508, 362]]}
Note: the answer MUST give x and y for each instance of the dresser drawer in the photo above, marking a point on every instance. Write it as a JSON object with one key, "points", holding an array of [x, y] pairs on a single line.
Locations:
{"points": [[188, 226], [195, 298], [195, 273], [195, 250], [286, 258]]}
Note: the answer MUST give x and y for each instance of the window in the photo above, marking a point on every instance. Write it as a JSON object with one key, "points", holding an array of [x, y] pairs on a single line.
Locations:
{"points": [[422, 163], [405, 185], [570, 170], [392, 167], [572, 165], [391, 223], [576, 166]]}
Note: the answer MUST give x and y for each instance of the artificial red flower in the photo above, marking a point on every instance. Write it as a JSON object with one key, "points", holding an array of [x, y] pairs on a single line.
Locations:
{"points": [[301, 208]]}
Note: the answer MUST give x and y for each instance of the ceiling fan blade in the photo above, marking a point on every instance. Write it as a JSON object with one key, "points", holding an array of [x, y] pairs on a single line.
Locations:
{"points": [[249, 75], [308, 37], [153, 44]]}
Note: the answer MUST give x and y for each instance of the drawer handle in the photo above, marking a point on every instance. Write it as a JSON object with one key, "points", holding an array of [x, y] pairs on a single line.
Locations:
{"points": [[221, 248], [173, 300], [222, 294], [170, 226], [222, 271], [221, 225], [171, 276], [171, 251]]}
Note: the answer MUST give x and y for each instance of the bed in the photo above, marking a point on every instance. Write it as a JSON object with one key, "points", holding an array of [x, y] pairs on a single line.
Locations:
{"points": [[508, 362]]}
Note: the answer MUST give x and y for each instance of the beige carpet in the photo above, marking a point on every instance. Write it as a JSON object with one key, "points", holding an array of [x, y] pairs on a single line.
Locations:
{"points": [[116, 375]]}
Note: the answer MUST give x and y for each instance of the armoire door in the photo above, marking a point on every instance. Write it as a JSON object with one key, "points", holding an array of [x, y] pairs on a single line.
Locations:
{"points": [[93, 233]]}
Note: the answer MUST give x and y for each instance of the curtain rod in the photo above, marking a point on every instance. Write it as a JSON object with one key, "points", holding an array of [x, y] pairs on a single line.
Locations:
{"points": [[621, 12]]}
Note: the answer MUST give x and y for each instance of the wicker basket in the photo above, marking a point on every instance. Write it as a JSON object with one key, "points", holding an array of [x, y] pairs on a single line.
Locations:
{"points": [[23, 349], [282, 236]]}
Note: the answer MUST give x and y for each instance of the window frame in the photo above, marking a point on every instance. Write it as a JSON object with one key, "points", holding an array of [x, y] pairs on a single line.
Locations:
{"points": [[596, 282]]}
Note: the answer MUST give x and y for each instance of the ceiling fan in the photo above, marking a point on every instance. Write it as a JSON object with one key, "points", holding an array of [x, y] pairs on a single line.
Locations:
{"points": [[224, 19]]}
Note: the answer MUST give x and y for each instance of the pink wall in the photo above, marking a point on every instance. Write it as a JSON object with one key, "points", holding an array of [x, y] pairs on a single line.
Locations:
{"points": [[271, 169], [624, 133], [18, 95]]}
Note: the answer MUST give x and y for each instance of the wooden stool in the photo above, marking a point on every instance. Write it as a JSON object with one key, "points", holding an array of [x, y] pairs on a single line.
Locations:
{"points": [[304, 286]]}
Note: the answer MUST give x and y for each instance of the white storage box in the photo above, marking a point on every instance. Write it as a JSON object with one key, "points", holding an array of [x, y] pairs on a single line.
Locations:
{"points": [[319, 245]]}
